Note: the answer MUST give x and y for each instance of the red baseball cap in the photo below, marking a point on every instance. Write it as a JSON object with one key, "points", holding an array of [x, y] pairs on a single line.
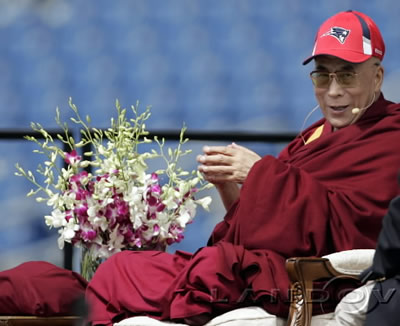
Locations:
{"points": [[349, 35]]}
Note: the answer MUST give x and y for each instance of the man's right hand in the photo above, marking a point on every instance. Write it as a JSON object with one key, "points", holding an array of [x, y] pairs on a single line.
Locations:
{"points": [[226, 167]]}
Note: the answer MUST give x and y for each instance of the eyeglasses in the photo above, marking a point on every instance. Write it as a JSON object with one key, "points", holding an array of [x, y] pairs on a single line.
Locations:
{"points": [[322, 79]]}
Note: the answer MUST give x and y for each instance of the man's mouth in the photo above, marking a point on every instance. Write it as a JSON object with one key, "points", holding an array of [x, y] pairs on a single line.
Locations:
{"points": [[338, 108]]}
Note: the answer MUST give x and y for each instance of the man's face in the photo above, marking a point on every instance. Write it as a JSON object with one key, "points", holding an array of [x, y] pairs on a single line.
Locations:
{"points": [[337, 101]]}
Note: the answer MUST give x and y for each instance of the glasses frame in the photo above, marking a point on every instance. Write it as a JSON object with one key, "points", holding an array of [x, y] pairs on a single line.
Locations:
{"points": [[336, 76]]}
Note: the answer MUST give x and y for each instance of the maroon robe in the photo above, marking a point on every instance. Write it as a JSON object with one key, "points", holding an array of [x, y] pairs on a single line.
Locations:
{"points": [[312, 200]]}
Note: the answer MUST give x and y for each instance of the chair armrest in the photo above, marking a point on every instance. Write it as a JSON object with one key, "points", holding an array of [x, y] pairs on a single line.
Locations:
{"points": [[303, 271]]}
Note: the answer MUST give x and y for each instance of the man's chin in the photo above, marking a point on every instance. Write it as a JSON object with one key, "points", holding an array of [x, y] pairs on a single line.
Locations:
{"points": [[339, 123]]}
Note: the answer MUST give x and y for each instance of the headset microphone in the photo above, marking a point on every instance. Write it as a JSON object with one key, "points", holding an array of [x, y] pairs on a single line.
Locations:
{"points": [[358, 110]]}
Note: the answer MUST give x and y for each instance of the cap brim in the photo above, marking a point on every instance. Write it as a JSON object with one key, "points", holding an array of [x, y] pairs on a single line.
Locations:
{"points": [[350, 56], [308, 60]]}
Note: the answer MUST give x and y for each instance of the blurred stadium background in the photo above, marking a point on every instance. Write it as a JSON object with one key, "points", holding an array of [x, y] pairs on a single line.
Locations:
{"points": [[215, 65]]}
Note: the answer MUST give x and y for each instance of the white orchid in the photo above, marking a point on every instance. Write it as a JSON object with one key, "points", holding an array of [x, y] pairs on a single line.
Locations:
{"points": [[121, 204]]}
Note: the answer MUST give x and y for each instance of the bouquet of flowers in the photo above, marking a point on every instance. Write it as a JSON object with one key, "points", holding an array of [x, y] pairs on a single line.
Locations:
{"points": [[120, 205]]}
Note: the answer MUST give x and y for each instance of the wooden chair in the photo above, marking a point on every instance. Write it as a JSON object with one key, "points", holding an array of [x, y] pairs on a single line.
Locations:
{"points": [[303, 272]]}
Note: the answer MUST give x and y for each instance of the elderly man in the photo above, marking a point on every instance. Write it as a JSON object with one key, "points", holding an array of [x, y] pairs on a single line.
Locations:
{"points": [[327, 191], [347, 80]]}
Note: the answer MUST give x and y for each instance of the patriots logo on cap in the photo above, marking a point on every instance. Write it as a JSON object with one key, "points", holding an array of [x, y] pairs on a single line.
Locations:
{"points": [[339, 33]]}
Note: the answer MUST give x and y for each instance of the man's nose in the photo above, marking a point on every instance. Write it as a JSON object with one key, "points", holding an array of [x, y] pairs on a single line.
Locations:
{"points": [[334, 88]]}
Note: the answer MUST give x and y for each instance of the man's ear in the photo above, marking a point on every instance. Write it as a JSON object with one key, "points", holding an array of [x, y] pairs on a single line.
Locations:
{"points": [[380, 72]]}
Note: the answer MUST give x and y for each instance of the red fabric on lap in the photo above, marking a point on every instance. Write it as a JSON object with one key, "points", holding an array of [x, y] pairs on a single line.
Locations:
{"points": [[145, 276], [39, 288], [163, 286]]}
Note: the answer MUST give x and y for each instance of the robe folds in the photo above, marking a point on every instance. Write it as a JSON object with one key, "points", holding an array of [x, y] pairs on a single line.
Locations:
{"points": [[312, 200]]}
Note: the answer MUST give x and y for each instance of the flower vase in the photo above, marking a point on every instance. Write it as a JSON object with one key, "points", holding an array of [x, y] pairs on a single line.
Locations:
{"points": [[89, 263], [152, 247]]}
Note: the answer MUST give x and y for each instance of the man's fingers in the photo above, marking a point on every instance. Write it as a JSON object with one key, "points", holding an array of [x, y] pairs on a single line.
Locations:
{"points": [[210, 150], [217, 159], [219, 178], [216, 169], [201, 158], [236, 146]]}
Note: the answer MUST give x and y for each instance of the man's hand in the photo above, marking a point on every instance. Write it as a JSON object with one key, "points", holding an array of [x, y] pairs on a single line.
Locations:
{"points": [[232, 163], [226, 167]]}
